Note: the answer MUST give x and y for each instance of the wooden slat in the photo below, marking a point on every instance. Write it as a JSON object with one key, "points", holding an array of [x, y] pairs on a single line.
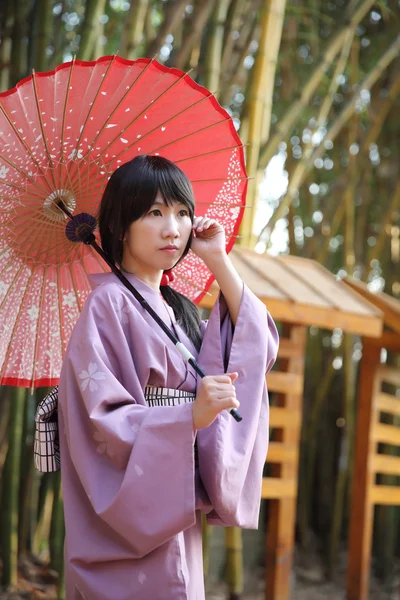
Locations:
{"points": [[385, 494], [283, 417], [390, 375], [388, 305], [383, 463], [387, 434], [285, 383], [282, 453], [388, 404], [289, 349], [275, 488]]}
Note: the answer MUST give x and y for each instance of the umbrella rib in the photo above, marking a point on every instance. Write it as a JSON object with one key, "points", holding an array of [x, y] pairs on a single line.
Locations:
{"points": [[78, 301], [211, 153], [27, 148], [143, 137], [64, 118], [60, 311], [119, 104], [93, 143], [12, 282], [35, 352], [29, 177], [191, 283], [146, 109], [219, 179], [35, 92], [192, 133], [17, 320], [94, 100]]}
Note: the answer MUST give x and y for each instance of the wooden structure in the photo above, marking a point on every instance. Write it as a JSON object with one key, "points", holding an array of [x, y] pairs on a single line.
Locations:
{"points": [[298, 293], [376, 380]]}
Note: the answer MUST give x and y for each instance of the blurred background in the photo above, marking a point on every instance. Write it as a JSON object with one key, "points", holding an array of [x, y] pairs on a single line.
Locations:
{"points": [[313, 89]]}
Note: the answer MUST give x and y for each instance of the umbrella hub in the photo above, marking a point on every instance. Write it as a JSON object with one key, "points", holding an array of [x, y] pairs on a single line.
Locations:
{"points": [[51, 206]]}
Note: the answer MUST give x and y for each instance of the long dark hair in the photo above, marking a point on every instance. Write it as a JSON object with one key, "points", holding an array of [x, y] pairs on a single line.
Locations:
{"points": [[129, 195]]}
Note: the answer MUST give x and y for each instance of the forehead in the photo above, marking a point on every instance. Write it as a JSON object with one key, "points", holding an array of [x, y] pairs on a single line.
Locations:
{"points": [[159, 199]]}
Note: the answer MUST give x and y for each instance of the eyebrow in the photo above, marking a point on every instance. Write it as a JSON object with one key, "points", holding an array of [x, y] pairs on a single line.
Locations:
{"points": [[162, 203]]}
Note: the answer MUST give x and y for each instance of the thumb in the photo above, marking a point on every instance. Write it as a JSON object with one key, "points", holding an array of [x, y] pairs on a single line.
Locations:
{"points": [[233, 376]]}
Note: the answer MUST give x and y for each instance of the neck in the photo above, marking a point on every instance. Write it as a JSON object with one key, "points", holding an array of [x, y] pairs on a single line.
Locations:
{"points": [[150, 279]]}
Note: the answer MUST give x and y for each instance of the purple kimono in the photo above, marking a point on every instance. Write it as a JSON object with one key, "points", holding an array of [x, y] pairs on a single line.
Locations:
{"points": [[133, 497]]}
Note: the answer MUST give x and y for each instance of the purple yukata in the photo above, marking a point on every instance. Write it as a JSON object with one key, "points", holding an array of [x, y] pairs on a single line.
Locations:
{"points": [[133, 495]]}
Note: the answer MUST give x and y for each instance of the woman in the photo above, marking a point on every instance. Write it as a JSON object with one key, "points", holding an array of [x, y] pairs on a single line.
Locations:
{"points": [[133, 488]]}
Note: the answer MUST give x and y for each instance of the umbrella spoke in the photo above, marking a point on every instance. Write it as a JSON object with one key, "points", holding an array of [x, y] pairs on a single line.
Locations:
{"points": [[35, 352], [146, 109], [14, 330], [162, 124], [20, 138]]}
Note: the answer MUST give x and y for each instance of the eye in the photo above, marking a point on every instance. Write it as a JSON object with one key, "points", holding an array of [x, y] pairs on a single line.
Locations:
{"points": [[184, 212], [156, 212]]}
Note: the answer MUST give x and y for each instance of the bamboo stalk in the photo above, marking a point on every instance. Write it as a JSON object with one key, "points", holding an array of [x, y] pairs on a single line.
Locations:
{"points": [[215, 45], [5, 47], [206, 537], [234, 73], [10, 490], [57, 534], [234, 562], [201, 13], [288, 121], [387, 219], [44, 21], [93, 10], [264, 75], [26, 474], [174, 12], [134, 28], [306, 162]]}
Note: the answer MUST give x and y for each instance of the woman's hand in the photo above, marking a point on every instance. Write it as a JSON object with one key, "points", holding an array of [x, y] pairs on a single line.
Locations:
{"points": [[208, 238], [215, 394]]}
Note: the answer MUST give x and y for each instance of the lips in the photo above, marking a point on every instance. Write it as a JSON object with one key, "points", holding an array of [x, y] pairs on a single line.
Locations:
{"points": [[169, 248]]}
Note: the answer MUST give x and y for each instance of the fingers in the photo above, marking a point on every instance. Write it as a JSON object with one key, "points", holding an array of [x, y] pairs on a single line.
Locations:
{"points": [[228, 378], [202, 223]]}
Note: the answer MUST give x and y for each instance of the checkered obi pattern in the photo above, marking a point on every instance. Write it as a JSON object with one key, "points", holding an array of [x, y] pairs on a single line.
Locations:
{"points": [[46, 440]]}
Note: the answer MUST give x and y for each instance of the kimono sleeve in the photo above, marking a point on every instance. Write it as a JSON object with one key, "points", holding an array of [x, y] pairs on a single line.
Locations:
{"points": [[232, 454], [129, 458]]}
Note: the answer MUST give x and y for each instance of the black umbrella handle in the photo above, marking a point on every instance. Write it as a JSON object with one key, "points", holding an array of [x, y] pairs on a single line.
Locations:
{"points": [[84, 232]]}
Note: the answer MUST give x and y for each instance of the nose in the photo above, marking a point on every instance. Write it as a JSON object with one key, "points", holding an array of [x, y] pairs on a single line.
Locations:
{"points": [[171, 229]]}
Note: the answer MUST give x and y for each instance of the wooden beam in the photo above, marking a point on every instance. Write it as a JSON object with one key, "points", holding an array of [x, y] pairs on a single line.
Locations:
{"points": [[285, 383], [282, 510], [385, 494], [283, 417], [388, 404], [288, 349], [281, 453], [387, 464], [274, 488], [361, 512], [307, 314], [387, 434], [390, 375]]}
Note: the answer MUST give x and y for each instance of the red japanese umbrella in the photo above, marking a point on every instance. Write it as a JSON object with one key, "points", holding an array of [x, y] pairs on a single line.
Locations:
{"points": [[62, 134]]}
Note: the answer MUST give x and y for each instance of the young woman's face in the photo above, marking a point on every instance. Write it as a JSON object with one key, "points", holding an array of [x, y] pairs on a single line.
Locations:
{"points": [[156, 241]]}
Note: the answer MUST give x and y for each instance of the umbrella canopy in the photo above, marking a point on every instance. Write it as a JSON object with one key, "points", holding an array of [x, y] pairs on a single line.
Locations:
{"points": [[62, 134]]}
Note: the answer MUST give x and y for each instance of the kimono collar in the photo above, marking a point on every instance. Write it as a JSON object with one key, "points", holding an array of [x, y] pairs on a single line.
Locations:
{"points": [[150, 294]]}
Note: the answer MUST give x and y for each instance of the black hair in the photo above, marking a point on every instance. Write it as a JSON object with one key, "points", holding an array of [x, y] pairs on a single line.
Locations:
{"points": [[129, 195]]}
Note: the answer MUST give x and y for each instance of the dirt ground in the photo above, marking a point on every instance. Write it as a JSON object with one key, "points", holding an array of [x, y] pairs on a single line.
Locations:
{"points": [[308, 583]]}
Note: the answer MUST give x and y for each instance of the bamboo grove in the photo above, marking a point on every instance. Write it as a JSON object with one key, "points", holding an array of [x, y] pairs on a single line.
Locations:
{"points": [[311, 85]]}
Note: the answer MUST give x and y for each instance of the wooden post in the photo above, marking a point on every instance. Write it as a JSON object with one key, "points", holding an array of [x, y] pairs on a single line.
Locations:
{"points": [[282, 510], [362, 506]]}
